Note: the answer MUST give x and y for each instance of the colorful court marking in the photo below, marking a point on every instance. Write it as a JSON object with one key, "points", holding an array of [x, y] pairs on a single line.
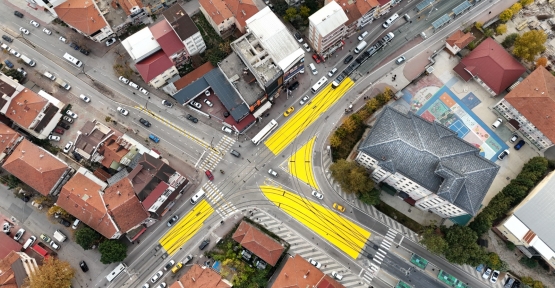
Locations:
{"points": [[300, 164], [306, 116], [338, 230], [186, 227]]}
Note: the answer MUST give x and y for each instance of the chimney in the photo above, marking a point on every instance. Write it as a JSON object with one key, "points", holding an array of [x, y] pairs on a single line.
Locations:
{"points": [[193, 279], [119, 193], [306, 275]]}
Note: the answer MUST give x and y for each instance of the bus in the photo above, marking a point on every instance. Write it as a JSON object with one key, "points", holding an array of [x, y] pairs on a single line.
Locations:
{"points": [[265, 132], [116, 272], [319, 84]]}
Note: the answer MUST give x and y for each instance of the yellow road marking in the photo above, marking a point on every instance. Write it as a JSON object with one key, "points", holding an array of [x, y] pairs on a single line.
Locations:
{"points": [[338, 230], [300, 164], [187, 227], [306, 116], [179, 129]]}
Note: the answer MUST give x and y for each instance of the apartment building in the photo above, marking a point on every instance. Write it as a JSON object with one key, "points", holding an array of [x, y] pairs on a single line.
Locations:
{"points": [[327, 29]]}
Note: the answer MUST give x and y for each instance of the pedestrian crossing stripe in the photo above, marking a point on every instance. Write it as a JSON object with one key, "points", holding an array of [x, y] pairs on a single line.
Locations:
{"points": [[383, 251], [379, 263]]}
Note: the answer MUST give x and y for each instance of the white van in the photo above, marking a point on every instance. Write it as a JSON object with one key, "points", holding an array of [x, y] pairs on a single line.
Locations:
{"points": [[360, 46], [73, 60], [313, 68], [29, 242], [197, 197], [361, 36], [391, 20]]}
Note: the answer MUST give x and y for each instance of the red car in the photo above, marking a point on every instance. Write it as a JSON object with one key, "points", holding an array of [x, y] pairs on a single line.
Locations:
{"points": [[59, 130], [209, 175], [316, 58]]}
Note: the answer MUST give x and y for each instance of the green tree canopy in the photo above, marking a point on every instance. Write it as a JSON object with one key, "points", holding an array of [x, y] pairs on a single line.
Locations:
{"points": [[112, 251], [52, 273], [87, 237], [506, 15], [463, 246], [433, 240], [352, 177], [15, 74], [530, 44], [290, 14]]}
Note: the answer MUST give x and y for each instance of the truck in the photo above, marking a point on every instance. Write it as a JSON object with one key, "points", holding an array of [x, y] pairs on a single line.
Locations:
{"points": [[59, 236], [49, 75], [28, 60], [62, 83]]}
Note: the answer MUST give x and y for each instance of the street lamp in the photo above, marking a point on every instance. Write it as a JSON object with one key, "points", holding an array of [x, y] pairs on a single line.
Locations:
{"points": [[146, 105], [431, 10]]}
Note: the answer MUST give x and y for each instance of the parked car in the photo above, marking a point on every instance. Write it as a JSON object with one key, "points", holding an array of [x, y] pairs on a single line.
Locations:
{"points": [[169, 265], [65, 222], [18, 14], [68, 147], [496, 123], [315, 263], [273, 173], [167, 103], [154, 138], [316, 58], [46, 31], [204, 244], [207, 93], [208, 103], [110, 41], [83, 266], [8, 63], [76, 155], [134, 85], [172, 221], [293, 86], [15, 53], [337, 275], [304, 100], [85, 51], [123, 79], [514, 138], [62, 39], [68, 119], [19, 234], [85, 98], [59, 130], [144, 91], [25, 31], [7, 38], [195, 104], [34, 23], [74, 46], [317, 195], [191, 118], [209, 175], [348, 59], [145, 122], [22, 71], [494, 276], [71, 114], [332, 72], [235, 153], [299, 37], [6, 227], [122, 111], [487, 273], [54, 138], [519, 144], [64, 125], [156, 276], [503, 154], [306, 47]]}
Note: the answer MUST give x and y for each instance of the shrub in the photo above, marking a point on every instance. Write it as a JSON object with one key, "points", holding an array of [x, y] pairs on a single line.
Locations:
{"points": [[509, 40], [528, 262]]}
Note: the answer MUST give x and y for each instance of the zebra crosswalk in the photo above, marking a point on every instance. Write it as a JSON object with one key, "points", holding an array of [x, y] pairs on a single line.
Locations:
{"points": [[373, 267], [305, 248], [223, 207], [216, 155]]}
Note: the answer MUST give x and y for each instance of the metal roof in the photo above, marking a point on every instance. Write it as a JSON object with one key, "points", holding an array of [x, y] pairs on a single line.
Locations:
{"points": [[423, 5], [431, 155], [328, 18], [141, 44], [441, 21], [461, 8]]}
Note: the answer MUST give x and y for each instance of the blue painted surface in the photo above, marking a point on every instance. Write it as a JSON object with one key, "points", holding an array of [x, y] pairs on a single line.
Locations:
{"points": [[452, 81], [470, 100]]}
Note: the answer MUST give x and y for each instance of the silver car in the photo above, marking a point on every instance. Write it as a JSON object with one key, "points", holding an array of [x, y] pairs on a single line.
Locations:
{"points": [[156, 276]]}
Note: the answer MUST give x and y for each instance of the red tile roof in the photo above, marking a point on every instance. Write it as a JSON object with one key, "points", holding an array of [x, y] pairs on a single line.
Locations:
{"points": [[298, 273], [125, 207], [220, 10], [82, 198], [492, 64], [193, 76], [35, 167], [154, 65], [25, 107], [460, 39], [198, 277], [8, 245], [81, 14], [258, 243], [126, 5], [534, 98], [155, 194], [8, 137], [355, 9], [112, 151], [166, 37]]}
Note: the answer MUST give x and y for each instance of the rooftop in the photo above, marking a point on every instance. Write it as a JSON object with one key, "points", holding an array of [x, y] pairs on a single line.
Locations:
{"points": [[460, 39], [90, 136], [8, 138], [25, 107], [180, 21], [154, 65], [201, 277], [35, 166], [243, 80], [8, 245], [193, 76], [141, 44], [125, 207], [258, 243], [534, 98], [328, 18], [431, 155], [492, 64], [298, 273], [166, 37], [220, 10], [148, 174], [81, 14], [113, 152]]}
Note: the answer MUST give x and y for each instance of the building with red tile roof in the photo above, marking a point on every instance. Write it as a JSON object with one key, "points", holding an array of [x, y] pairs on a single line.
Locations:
{"points": [[384, 8], [530, 108], [112, 152], [257, 242], [15, 267], [37, 168], [458, 40], [86, 18], [226, 15], [491, 66], [185, 29], [156, 68], [128, 5], [360, 13], [7, 244], [8, 140], [82, 197], [193, 76], [167, 39], [201, 277], [298, 273], [124, 206]]}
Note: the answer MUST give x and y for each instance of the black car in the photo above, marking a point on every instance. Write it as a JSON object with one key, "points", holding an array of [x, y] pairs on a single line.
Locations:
{"points": [[348, 59], [74, 46], [18, 14], [85, 51], [76, 155], [7, 38], [167, 103], [235, 153], [64, 125], [294, 86], [145, 122], [190, 117], [83, 266], [173, 220], [65, 222], [204, 244]]}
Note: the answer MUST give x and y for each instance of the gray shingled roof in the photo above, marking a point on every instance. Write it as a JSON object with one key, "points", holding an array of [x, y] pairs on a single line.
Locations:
{"points": [[538, 213], [431, 155]]}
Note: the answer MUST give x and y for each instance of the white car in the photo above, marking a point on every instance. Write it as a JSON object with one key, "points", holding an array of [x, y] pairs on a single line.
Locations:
{"points": [[85, 98], [132, 84], [62, 39], [273, 173], [494, 276], [195, 104], [54, 245], [315, 263], [68, 147], [25, 31], [6, 227], [487, 273], [34, 23], [68, 119], [110, 41], [304, 100], [123, 79], [208, 102], [23, 72], [496, 123], [15, 53], [317, 195], [71, 114], [48, 32], [337, 275], [54, 138], [167, 103], [156, 276], [207, 92], [143, 90], [123, 111], [332, 72], [306, 47]]}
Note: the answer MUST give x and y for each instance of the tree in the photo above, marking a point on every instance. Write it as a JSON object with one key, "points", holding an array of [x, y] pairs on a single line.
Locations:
{"points": [[493, 261], [12, 182], [525, 2], [463, 248], [516, 8], [433, 240], [52, 273], [304, 12], [15, 74], [87, 237], [112, 251], [506, 15], [488, 32], [530, 44], [352, 177], [501, 29], [510, 40], [478, 25], [371, 197], [290, 14]]}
